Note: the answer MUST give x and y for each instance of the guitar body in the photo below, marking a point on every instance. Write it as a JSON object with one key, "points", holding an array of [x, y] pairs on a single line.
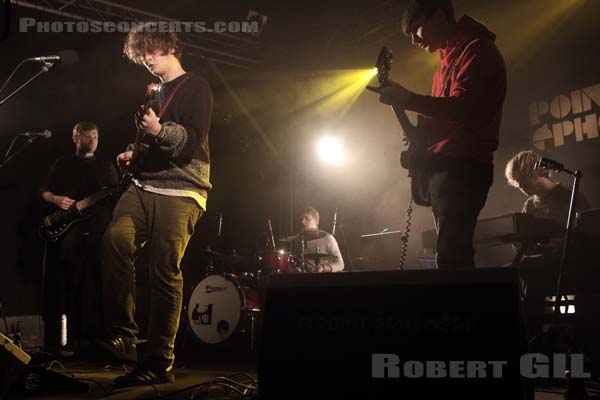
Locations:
{"points": [[416, 158], [58, 223], [419, 176], [418, 161], [55, 225]]}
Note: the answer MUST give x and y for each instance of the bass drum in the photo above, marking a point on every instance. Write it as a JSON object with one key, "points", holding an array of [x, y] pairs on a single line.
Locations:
{"points": [[220, 306]]}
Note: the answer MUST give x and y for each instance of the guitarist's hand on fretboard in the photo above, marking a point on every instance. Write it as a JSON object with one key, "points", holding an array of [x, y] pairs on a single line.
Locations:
{"points": [[392, 94], [149, 122]]}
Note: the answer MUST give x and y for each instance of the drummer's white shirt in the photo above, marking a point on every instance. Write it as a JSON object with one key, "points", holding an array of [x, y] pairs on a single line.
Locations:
{"points": [[325, 245]]}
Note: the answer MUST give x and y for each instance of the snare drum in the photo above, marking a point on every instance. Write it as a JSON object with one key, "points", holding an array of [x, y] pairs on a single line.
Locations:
{"points": [[219, 306]]}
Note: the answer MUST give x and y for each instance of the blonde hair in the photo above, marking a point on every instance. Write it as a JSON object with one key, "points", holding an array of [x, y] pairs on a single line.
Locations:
{"points": [[521, 167]]}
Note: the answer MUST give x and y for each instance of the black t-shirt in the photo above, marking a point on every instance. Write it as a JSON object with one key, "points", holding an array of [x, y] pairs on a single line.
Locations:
{"points": [[77, 177]]}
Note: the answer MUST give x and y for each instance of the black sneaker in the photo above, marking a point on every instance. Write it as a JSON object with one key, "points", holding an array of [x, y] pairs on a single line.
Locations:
{"points": [[144, 376], [121, 348]]}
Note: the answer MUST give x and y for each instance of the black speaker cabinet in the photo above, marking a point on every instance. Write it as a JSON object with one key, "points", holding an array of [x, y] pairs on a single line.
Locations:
{"points": [[392, 334]]}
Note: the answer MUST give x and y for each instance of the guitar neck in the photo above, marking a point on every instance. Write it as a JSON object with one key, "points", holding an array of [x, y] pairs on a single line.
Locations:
{"points": [[89, 201], [408, 128], [139, 138]]}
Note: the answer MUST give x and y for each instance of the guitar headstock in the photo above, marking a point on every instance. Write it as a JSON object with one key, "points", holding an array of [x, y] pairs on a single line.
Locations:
{"points": [[384, 64]]}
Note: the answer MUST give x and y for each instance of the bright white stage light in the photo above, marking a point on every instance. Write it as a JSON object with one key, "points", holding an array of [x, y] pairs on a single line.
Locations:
{"points": [[330, 150]]}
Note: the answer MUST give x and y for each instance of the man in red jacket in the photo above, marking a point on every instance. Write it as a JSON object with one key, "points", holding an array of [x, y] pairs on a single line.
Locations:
{"points": [[461, 120]]}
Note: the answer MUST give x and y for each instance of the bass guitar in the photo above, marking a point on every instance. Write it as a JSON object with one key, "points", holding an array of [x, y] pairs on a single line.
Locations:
{"points": [[59, 222], [416, 159]]}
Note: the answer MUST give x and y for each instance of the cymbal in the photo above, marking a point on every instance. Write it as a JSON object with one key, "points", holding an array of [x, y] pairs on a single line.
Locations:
{"points": [[308, 236], [319, 257], [227, 258]]}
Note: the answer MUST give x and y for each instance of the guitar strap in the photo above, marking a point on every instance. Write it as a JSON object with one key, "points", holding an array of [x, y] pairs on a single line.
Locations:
{"points": [[163, 108]]}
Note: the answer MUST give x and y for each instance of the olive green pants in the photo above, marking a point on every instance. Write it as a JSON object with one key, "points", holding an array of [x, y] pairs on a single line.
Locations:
{"points": [[162, 225]]}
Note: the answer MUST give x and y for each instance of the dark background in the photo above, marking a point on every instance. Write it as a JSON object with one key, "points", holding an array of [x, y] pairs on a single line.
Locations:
{"points": [[550, 48]]}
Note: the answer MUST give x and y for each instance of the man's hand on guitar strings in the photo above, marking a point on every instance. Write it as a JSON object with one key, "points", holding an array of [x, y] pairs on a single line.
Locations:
{"points": [[392, 94], [149, 123], [63, 202]]}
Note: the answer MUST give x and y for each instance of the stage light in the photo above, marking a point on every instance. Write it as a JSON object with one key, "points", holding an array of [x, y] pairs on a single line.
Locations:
{"points": [[342, 99], [330, 150]]}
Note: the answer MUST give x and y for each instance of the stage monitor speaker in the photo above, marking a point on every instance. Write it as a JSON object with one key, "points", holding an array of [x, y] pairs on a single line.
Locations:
{"points": [[393, 334], [12, 363]]}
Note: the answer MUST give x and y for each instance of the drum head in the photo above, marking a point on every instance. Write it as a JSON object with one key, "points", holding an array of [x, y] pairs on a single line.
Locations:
{"points": [[214, 309]]}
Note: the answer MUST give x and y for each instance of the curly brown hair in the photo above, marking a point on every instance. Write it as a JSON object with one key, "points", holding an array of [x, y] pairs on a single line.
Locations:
{"points": [[148, 38]]}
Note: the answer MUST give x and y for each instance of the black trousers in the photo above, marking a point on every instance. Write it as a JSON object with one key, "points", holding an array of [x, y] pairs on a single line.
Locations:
{"points": [[459, 189], [73, 285]]}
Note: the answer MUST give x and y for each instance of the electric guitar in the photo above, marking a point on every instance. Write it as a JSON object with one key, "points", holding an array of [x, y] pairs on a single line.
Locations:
{"points": [[59, 222], [416, 157], [139, 145]]}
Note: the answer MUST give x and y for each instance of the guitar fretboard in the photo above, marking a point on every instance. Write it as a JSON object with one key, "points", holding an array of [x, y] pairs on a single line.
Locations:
{"points": [[88, 201]]}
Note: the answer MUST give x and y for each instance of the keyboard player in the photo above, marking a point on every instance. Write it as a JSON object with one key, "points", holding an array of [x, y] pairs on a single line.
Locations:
{"points": [[546, 199]]}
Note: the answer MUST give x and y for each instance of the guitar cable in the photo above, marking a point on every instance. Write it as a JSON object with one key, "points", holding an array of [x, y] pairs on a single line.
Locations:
{"points": [[406, 235]]}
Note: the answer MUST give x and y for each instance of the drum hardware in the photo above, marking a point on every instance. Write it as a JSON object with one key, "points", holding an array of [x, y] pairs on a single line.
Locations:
{"points": [[306, 236], [302, 238], [225, 258]]}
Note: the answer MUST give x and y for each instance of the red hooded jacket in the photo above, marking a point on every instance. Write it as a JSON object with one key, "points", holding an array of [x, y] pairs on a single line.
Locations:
{"points": [[465, 121]]}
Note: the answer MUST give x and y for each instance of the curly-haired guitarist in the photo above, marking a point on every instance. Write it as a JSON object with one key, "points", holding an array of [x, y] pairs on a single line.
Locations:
{"points": [[160, 208]]}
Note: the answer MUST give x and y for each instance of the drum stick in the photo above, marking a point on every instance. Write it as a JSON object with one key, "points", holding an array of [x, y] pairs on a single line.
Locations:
{"points": [[271, 234]]}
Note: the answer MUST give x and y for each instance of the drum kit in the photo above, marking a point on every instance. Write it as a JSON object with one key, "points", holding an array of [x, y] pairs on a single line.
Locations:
{"points": [[228, 299]]}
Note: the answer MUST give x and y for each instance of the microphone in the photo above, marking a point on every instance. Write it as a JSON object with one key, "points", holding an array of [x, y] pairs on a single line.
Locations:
{"points": [[46, 134], [334, 222], [65, 57], [547, 163]]}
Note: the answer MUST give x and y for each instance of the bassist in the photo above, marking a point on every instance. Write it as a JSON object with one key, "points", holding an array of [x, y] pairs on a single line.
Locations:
{"points": [[461, 120], [73, 268]]}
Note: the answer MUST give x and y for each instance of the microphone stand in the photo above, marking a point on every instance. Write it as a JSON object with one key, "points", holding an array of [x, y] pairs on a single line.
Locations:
{"points": [[340, 227], [45, 68], [9, 156], [576, 386]]}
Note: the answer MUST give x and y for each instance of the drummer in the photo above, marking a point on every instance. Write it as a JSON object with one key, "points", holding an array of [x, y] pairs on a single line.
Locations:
{"points": [[320, 246]]}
